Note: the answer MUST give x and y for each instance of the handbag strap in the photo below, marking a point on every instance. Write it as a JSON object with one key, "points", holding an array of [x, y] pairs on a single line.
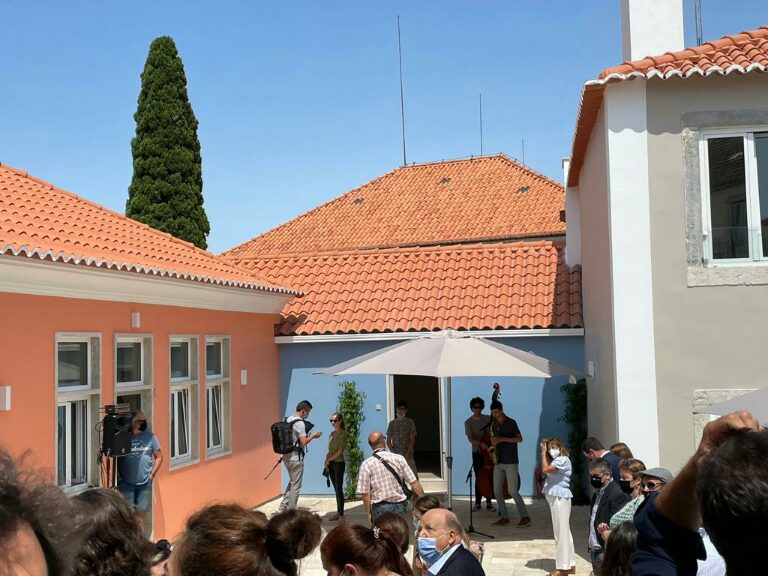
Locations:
{"points": [[400, 481]]}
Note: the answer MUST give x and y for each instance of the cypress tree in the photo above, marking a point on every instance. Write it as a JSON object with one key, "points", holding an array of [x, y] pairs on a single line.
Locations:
{"points": [[166, 191]]}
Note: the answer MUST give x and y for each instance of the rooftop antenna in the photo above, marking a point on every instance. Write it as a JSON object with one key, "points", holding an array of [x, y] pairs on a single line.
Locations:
{"points": [[697, 13], [402, 99], [523, 143], [481, 123]]}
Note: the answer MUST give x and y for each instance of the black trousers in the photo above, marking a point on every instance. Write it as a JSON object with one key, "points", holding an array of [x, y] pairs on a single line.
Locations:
{"points": [[336, 472], [477, 464]]}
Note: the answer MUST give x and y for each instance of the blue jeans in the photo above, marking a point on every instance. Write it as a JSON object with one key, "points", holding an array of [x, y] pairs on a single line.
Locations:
{"points": [[378, 508], [138, 496], [510, 471]]}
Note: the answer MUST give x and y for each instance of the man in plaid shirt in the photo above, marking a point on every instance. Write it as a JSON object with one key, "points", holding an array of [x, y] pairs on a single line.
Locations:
{"points": [[381, 491]]}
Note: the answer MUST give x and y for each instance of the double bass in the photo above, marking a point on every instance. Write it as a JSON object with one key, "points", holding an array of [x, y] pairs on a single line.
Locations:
{"points": [[485, 475]]}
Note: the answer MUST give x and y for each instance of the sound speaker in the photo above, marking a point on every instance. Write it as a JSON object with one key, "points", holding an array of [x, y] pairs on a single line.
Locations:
{"points": [[116, 434]]}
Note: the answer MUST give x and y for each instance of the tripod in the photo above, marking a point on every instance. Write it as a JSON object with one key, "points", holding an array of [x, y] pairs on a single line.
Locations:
{"points": [[279, 461], [471, 528]]}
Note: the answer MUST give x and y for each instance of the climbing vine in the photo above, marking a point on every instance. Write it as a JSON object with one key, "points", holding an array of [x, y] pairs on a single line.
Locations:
{"points": [[575, 416], [351, 407]]}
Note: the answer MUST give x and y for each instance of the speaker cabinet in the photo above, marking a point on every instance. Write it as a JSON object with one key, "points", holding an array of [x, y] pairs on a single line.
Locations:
{"points": [[116, 434]]}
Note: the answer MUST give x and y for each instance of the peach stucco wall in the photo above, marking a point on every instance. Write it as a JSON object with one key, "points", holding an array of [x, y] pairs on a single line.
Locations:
{"points": [[27, 358]]}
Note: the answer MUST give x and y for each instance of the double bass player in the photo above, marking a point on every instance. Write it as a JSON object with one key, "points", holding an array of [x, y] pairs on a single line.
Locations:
{"points": [[475, 428]]}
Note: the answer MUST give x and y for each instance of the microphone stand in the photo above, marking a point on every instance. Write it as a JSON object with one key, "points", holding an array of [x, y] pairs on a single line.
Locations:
{"points": [[471, 528]]}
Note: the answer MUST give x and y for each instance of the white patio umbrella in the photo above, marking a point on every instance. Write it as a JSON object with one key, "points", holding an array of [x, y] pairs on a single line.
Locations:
{"points": [[754, 402], [446, 354]]}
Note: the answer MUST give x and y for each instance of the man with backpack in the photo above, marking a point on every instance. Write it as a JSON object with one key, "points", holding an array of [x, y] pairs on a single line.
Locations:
{"points": [[294, 460]]}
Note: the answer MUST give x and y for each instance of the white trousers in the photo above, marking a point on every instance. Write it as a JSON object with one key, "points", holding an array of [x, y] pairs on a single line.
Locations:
{"points": [[561, 524]]}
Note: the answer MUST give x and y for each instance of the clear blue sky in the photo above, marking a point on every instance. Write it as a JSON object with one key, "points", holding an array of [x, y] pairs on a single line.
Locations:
{"points": [[298, 101]]}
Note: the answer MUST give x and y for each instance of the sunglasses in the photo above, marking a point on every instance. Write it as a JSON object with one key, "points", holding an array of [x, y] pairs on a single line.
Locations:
{"points": [[333, 420], [477, 407], [651, 485]]}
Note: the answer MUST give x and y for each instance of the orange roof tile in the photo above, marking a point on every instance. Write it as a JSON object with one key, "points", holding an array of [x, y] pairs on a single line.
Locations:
{"points": [[467, 200], [474, 287], [39, 220], [739, 53]]}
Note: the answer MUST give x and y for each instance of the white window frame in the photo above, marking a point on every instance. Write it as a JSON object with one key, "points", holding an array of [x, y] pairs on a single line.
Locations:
{"points": [[222, 382], [754, 232], [190, 384], [189, 341], [82, 448], [75, 339], [135, 384], [91, 394], [176, 391]]}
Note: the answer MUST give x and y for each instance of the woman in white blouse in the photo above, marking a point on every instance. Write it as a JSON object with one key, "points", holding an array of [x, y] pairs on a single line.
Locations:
{"points": [[557, 489]]}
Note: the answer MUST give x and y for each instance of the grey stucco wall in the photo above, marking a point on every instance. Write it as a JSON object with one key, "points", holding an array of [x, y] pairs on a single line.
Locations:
{"points": [[596, 286], [706, 336]]}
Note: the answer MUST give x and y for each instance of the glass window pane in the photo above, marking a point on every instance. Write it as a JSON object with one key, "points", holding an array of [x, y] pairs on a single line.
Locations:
{"points": [[728, 198], [216, 402], [182, 433], [72, 359], [213, 358], [132, 400], [761, 151], [179, 359], [128, 360], [61, 446], [174, 400], [78, 436]]}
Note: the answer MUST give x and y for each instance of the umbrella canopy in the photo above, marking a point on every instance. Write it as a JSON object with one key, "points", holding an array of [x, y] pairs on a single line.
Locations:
{"points": [[450, 353], [754, 402]]}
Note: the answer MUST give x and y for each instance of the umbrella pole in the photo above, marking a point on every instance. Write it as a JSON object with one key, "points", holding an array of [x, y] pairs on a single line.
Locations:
{"points": [[448, 447]]}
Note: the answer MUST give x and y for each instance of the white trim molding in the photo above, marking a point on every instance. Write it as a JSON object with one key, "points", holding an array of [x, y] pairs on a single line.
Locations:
{"points": [[383, 336], [40, 278]]}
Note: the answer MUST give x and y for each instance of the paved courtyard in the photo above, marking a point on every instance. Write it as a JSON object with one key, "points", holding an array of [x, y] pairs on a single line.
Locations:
{"points": [[514, 551]]}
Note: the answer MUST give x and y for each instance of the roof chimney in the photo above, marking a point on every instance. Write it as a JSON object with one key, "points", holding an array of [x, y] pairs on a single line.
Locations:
{"points": [[651, 27]]}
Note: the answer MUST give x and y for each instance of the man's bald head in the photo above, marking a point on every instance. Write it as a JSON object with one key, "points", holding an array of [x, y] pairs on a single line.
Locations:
{"points": [[443, 519], [442, 525], [375, 439]]}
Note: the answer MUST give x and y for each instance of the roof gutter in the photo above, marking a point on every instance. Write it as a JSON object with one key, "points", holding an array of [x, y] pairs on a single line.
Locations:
{"points": [[389, 336]]}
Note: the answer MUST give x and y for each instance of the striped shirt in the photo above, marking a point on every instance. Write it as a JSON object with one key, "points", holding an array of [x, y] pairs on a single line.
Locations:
{"points": [[374, 478]]}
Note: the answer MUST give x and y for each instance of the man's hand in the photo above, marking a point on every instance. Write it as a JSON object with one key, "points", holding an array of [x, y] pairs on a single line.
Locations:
{"points": [[317, 434], [718, 430]]}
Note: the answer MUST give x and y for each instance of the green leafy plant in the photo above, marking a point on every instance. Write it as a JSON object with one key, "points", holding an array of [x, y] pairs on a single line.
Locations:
{"points": [[351, 407], [575, 416]]}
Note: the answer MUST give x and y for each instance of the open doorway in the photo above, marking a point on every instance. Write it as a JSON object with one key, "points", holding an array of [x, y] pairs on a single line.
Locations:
{"points": [[422, 393]]}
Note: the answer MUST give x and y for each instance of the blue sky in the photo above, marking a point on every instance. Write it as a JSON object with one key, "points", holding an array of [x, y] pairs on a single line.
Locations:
{"points": [[298, 101]]}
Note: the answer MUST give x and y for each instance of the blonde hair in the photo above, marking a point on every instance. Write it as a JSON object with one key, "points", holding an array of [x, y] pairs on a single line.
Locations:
{"points": [[633, 466], [555, 442]]}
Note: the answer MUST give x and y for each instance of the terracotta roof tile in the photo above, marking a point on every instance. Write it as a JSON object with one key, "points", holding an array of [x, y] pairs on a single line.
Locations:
{"points": [[467, 200], [39, 220], [738, 53], [470, 287]]}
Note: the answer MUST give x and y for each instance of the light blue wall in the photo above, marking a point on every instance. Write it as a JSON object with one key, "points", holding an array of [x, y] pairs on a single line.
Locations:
{"points": [[536, 403]]}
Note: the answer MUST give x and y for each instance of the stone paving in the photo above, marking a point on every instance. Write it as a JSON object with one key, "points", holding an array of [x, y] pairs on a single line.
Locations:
{"points": [[514, 552]]}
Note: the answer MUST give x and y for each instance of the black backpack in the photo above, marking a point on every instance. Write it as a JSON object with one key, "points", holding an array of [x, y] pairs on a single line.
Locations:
{"points": [[282, 436]]}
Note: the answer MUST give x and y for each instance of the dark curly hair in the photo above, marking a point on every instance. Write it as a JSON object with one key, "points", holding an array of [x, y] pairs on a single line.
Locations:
{"points": [[228, 539], [114, 541], [26, 499]]}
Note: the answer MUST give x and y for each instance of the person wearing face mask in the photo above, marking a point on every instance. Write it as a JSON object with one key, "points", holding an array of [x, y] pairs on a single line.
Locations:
{"points": [[631, 484], [556, 464], [439, 545], [138, 469], [606, 501]]}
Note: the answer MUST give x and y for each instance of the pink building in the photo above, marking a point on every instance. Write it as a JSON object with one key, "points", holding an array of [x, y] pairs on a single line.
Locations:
{"points": [[99, 309]]}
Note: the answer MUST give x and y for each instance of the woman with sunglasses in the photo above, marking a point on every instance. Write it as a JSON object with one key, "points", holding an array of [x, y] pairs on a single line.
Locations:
{"points": [[334, 462], [630, 471]]}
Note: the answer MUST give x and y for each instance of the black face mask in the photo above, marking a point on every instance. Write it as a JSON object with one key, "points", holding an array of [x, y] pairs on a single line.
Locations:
{"points": [[596, 481], [143, 427], [626, 486]]}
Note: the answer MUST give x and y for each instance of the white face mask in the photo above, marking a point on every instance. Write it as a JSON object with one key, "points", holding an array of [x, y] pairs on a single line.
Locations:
{"points": [[554, 452]]}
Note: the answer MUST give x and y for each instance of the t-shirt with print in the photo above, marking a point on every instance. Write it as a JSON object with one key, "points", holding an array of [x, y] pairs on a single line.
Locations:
{"points": [[134, 468]]}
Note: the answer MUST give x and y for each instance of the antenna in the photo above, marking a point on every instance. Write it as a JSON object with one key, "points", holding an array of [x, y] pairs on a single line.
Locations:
{"points": [[402, 100], [697, 13], [523, 143], [481, 123]]}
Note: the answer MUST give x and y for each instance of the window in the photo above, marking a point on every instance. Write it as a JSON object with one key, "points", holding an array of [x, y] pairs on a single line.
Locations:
{"points": [[128, 362], [78, 383], [183, 368], [735, 198], [72, 443], [217, 390]]}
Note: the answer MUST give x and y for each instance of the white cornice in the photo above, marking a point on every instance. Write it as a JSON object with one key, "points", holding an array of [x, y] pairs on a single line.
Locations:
{"points": [[26, 276], [530, 333]]}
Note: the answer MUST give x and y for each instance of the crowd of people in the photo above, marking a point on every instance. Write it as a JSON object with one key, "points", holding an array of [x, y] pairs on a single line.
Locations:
{"points": [[708, 520]]}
